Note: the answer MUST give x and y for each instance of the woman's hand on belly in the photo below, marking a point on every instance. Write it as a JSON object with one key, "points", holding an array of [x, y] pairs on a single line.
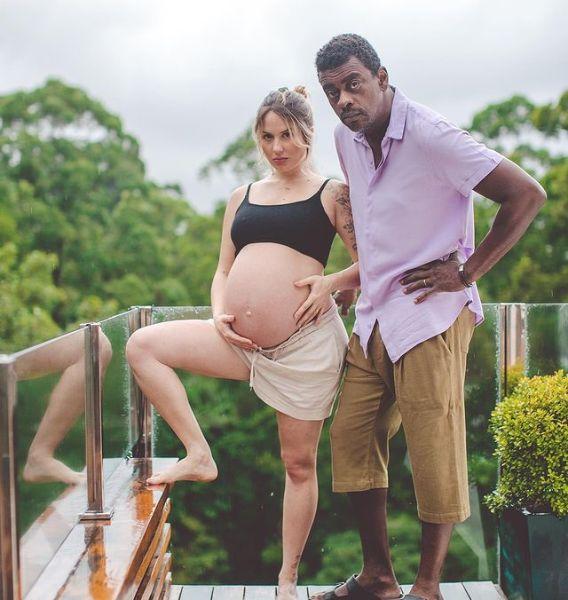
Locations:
{"points": [[223, 326], [318, 301]]}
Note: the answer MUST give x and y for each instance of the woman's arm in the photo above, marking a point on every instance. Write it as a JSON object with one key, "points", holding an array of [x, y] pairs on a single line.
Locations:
{"points": [[226, 259], [346, 281]]}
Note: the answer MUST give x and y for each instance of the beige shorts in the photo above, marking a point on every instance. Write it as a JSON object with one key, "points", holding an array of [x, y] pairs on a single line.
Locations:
{"points": [[300, 377], [423, 391]]}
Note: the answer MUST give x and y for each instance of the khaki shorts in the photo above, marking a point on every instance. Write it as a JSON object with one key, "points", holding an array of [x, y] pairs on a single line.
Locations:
{"points": [[424, 390], [300, 377]]}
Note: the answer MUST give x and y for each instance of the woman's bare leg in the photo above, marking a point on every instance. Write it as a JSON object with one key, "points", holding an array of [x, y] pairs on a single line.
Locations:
{"points": [[298, 443], [153, 353]]}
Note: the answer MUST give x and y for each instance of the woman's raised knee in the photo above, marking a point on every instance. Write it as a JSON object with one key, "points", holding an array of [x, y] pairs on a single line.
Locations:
{"points": [[137, 346]]}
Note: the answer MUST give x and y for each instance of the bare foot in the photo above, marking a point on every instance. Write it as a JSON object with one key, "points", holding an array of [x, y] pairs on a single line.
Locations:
{"points": [[45, 469], [432, 593], [287, 591], [197, 467]]}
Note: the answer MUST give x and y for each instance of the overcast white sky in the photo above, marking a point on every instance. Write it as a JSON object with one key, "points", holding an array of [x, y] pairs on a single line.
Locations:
{"points": [[186, 77]]}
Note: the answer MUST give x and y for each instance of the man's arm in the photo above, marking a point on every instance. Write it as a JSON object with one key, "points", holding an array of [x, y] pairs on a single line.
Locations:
{"points": [[520, 198]]}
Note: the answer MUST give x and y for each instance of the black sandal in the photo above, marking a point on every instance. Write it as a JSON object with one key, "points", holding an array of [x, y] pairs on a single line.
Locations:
{"points": [[354, 592]]}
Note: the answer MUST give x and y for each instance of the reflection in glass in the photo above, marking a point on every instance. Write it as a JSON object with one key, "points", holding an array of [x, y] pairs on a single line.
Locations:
{"points": [[547, 338], [50, 445]]}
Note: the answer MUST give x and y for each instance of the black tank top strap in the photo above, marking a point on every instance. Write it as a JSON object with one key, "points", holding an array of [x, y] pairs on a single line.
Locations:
{"points": [[246, 198], [322, 186]]}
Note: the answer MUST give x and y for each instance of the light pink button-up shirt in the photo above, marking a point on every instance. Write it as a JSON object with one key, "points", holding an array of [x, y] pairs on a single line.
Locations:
{"points": [[414, 207]]}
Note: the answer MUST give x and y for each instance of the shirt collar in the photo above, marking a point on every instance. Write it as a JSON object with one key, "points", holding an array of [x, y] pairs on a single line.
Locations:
{"points": [[397, 121]]}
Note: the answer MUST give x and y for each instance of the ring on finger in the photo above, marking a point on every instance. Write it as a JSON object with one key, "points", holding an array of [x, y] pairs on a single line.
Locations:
{"points": [[425, 283]]}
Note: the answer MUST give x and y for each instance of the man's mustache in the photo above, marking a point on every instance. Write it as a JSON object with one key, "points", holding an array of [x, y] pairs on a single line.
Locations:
{"points": [[349, 113]]}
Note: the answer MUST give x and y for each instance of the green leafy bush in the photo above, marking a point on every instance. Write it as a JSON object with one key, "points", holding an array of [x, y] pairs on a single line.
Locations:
{"points": [[531, 432]]}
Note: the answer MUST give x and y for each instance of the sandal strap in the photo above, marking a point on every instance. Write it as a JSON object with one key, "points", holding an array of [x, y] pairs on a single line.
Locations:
{"points": [[330, 594]]}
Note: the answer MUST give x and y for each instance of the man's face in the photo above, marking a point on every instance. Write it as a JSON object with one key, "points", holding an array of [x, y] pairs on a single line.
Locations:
{"points": [[355, 93]]}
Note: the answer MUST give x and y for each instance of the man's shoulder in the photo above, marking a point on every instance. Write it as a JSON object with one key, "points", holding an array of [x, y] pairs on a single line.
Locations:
{"points": [[422, 119], [342, 133]]}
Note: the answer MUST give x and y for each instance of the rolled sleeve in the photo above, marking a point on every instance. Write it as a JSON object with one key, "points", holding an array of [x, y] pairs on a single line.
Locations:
{"points": [[459, 160]]}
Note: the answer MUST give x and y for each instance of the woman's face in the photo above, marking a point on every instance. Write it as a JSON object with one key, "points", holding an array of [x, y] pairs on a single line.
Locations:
{"points": [[278, 146]]}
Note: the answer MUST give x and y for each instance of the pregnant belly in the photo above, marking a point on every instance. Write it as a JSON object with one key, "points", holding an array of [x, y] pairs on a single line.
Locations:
{"points": [[260, 291]]}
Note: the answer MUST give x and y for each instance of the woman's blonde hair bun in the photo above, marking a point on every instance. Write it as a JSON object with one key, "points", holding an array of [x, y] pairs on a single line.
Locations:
{"points": [[302, 90]]}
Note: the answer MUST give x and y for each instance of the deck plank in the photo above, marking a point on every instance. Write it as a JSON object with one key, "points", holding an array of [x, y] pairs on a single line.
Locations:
{"points": [[96, 550], [481, 590], [453, 591], [318, 589], [471, 590], [175, 592], [48, 532], [228, 592], [260, 592], [196, 592]]}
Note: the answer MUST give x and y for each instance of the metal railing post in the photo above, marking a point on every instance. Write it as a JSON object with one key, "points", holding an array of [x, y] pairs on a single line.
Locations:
{"points": [[514, 348], [10, 582], [503, 344], [94, 426], [141, 426]]}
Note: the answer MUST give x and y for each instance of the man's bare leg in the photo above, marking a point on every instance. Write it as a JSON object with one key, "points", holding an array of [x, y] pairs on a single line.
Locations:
{"points": [[377, 575], [434, 549]]}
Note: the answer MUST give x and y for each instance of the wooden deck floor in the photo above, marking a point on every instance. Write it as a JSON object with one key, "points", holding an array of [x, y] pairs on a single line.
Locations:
{"points": [[469, 590]]}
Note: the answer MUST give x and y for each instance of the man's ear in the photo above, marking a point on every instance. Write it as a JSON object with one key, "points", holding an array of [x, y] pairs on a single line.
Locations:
{"points": [[383, 77]]}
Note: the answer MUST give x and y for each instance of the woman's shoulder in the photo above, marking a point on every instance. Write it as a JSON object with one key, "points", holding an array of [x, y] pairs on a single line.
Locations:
{"points": [[336, 191], [238, 195]]}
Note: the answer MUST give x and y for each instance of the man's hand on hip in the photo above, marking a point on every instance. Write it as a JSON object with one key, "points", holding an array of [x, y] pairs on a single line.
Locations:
{"points": [[435, 276]]}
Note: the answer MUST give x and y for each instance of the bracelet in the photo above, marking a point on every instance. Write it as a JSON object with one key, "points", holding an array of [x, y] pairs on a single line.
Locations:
{"points": [[461, 273]]}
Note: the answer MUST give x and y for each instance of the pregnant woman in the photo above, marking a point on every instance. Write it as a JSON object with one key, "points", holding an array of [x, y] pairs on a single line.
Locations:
{"points": [[274, 320]]}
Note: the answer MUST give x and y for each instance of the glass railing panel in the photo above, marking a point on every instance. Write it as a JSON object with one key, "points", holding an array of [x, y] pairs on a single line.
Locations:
{"points": [[547, 338], [116, 386], [50, 448], [473, 551], [246, 500]]}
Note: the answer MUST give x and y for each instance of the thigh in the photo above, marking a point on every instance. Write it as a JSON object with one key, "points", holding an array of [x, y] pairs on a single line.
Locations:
{"points": [[364, 395], [298, 438], [192, 345]]}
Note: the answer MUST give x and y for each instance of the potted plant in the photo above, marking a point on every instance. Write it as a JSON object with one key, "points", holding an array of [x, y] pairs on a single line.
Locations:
{"points": [[530, 427]]}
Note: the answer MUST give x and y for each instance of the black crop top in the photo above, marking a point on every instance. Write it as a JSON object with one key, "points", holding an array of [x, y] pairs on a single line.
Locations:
{"points": [[302, 225]]}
